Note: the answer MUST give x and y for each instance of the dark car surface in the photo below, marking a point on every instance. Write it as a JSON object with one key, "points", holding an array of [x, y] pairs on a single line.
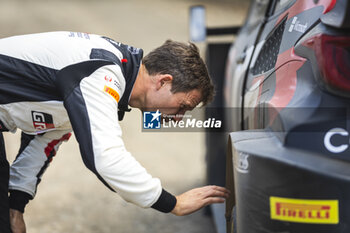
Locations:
{"points": [[286, 106]]}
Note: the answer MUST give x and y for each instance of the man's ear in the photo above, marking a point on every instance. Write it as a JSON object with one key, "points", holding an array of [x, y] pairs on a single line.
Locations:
{"points": [[164, 79]]}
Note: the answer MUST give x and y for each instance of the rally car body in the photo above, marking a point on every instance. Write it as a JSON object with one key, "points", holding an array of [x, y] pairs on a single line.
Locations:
{"points": [[286, 104]]}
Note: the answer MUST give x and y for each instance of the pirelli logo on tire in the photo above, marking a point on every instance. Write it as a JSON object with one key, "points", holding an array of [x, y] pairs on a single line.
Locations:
{"points": [[304, 210]]}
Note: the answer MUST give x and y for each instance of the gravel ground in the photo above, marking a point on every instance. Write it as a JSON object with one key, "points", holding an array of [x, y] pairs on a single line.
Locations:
{"points": [[70, 198]]}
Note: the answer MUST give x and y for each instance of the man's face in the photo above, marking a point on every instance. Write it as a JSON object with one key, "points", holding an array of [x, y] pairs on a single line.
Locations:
{"points": [[172, 105]]}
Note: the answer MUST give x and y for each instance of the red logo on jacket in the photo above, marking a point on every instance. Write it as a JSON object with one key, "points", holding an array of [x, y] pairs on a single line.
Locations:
{"points": [[108, 79]]}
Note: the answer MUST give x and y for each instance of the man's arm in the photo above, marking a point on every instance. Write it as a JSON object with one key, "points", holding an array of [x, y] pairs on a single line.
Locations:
{"points": [[35, 154], [17, 221], [92, 106]]}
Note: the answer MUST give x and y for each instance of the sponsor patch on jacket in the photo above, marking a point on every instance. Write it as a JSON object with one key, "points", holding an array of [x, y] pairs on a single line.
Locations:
{"points": [[111, 92], [42, 120], [304, 210]]}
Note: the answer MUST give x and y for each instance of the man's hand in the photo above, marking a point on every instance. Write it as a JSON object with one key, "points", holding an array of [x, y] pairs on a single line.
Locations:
{"points": [[17, 221], [197, 198]]}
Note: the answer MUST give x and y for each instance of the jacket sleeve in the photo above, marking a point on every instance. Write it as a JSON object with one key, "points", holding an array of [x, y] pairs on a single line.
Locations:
{"points": [[92, 106], [35, 155]]}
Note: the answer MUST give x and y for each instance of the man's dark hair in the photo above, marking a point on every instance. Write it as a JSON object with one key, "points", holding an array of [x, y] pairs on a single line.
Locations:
{"points": [[184, 63]]}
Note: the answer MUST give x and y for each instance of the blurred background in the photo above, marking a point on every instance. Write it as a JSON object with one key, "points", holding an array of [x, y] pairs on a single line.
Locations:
{"points": [[70, 198]]}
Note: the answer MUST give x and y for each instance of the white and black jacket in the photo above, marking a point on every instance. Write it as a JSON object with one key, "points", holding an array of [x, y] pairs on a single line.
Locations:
{"points": [[51, 83]]}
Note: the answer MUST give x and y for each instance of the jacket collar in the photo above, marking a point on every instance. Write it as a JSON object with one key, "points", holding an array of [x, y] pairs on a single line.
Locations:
{"points": [[130, 65]]}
